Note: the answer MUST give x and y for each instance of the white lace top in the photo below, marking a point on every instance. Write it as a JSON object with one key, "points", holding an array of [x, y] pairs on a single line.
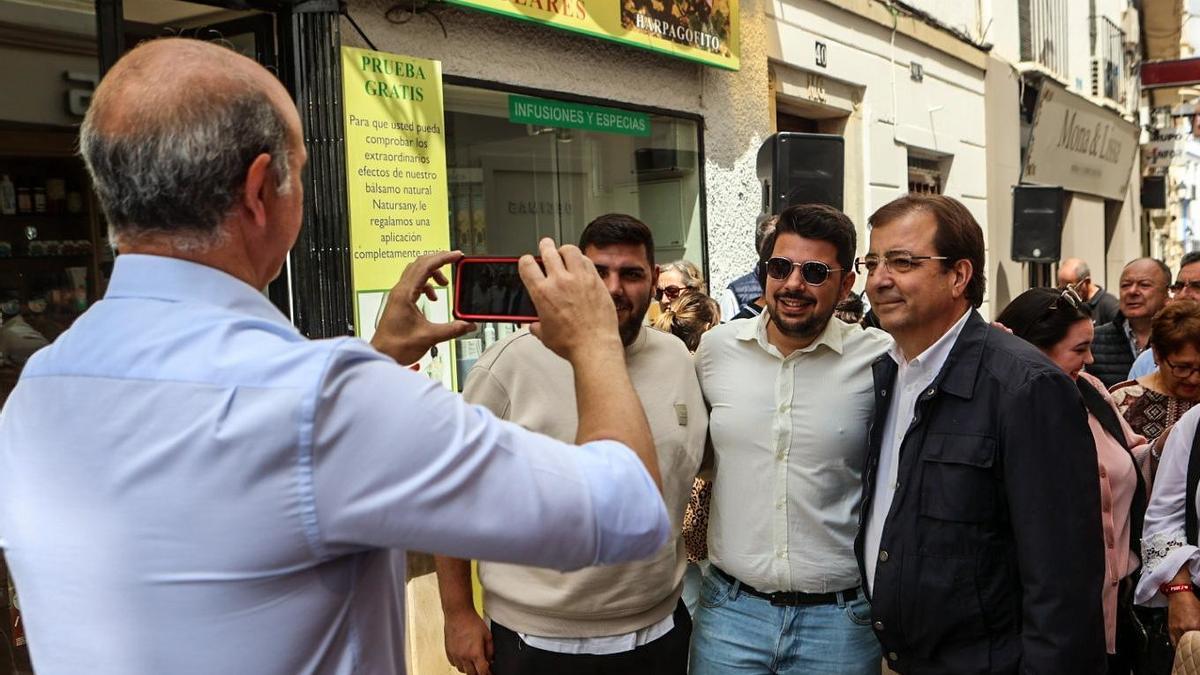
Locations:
{"points": [[1164, 547]]}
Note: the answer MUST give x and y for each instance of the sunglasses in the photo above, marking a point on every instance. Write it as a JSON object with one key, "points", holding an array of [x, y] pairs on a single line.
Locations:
{"points": [[1179, 286], [670, 292], [1069, 296], [814, 272]]}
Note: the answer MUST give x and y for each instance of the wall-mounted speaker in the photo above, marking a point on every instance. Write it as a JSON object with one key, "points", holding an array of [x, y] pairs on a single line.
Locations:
{"points": [[797, 168]]}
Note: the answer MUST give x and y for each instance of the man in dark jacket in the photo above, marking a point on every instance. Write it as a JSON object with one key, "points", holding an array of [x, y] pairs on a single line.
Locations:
{"points": [[1144, 284], [980, 537]]}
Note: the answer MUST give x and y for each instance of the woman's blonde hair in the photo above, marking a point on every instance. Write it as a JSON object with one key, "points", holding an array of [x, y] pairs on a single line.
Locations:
{"points": [[689, 317], [693, 278]]}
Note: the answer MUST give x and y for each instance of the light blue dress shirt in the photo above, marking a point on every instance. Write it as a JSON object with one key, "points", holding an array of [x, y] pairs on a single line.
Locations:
{"points": [[188, 485], [1143, 365]]}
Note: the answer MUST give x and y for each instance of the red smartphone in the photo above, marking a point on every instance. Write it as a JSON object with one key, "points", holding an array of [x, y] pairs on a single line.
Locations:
{"points": [[490, 289]]}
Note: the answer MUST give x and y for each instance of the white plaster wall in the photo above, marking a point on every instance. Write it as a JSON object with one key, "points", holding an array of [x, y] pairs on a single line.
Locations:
{"points": [[943, 114], [1005, 278], [1002, 29], [507, 51], [961, 15]]}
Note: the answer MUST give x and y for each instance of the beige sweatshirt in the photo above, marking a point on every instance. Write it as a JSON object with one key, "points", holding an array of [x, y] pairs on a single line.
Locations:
{"points": [[520, 380]]}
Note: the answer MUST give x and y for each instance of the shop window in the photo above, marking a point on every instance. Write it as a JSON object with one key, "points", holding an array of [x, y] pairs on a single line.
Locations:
{"points": [[512, 183]]}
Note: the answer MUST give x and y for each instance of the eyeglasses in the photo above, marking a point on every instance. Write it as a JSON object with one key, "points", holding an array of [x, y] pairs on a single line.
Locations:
{"points": [[897, 262], [671, 292], [1179, 286], [814, 272], [1182, 370]]}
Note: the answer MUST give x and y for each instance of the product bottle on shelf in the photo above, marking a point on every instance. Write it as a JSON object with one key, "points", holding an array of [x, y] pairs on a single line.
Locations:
{"points": [[8, 196], [24, 199], [39, 199]]}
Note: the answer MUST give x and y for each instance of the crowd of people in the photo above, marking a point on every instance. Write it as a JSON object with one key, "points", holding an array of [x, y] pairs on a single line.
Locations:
{"points": [[790, 478]]}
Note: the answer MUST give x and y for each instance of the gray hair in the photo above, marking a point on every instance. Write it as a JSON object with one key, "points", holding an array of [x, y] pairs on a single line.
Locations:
{"points": [[180, 173]]}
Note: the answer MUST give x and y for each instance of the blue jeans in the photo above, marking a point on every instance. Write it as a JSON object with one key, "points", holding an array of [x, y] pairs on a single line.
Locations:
{"points": [[693, 576], [735, 632]]}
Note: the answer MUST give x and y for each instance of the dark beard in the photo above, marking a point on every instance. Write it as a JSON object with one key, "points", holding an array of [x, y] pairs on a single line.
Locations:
{"points": [[808, 328], [629, 329], [801, 329]]}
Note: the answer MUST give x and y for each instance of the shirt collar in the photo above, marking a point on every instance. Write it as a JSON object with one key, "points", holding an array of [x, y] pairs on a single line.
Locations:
{"points": [[832, 337], [934, 356], [175, 280]]}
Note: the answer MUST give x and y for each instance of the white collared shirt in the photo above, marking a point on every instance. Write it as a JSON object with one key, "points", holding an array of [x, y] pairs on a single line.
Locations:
{"points": [[913, 378], [789, 437]]}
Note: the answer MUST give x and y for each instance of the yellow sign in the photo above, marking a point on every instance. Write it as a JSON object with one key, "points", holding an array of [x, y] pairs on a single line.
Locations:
{"points": [[699, 30], [395, 183]]}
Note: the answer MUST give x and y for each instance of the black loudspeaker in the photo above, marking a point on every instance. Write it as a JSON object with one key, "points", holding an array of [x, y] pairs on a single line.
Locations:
{"points": [[795, 168], [1037, 223], [1154, 192]]}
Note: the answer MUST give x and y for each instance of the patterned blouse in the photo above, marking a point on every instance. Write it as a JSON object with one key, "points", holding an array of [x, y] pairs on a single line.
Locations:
{"points": [[1149, 412]]}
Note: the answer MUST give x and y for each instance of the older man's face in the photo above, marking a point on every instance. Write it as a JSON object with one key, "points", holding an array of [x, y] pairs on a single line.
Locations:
{"points": [[1143, 289]]}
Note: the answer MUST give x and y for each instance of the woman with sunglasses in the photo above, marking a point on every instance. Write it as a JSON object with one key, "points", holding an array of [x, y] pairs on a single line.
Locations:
{"points": [[675, 278], [1152, 403], [1059, 323]]}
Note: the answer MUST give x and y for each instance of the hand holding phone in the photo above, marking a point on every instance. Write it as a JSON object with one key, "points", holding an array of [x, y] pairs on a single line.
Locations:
{"points": [[576, 315], [403, 332], [491, 289]]}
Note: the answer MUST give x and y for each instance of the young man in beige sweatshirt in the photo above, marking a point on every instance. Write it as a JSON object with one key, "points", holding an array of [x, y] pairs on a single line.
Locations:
{"points": [[621, 619]]}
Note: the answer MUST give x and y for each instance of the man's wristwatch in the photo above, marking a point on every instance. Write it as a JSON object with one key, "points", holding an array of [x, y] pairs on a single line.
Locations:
{"points": [[1169, 589]]}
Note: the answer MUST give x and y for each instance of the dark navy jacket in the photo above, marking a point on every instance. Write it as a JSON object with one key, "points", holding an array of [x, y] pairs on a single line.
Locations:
{"points": [[991, 559], [1112, 353]]}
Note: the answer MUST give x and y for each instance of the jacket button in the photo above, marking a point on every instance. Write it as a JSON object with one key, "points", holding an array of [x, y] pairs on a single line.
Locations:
{"points": [[892, 656], [883, 393], [879, 626], [883, 556]]}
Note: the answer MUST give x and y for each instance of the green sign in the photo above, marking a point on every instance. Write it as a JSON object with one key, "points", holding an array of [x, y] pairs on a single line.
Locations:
{"points": [[547, 113]]}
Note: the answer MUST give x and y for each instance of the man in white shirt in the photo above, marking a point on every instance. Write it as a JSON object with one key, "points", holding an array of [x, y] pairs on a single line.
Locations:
{"points": [[790, 399], [981, 547]]}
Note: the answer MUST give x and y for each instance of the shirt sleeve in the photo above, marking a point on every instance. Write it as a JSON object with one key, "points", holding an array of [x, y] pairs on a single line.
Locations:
{"points": [[400, 462], [1143, 365], [1164, 547], [728, 304]]}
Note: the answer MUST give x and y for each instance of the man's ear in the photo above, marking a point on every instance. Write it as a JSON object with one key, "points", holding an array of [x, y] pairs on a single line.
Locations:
{"points": [[963, 271], [848, 278], [259, 181]]}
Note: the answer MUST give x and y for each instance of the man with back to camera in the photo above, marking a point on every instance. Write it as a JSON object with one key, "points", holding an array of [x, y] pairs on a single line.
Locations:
{"points": [[1186, 287], [790, 399], [1115, 346], [1075, 273], [227, 496], [980, 541], [619, 619]]}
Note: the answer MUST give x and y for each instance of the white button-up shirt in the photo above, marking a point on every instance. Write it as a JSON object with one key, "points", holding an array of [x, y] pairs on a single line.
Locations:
{"points": [[912, 380], [789, 437]]}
